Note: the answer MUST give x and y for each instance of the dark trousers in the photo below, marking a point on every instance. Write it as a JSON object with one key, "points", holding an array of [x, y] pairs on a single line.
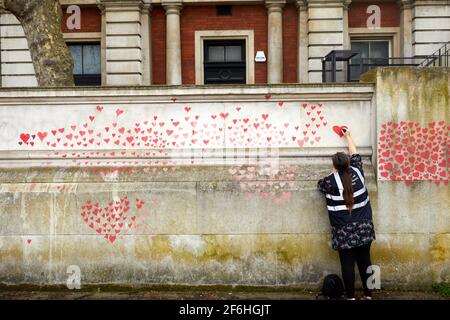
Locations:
{"points": [[348, 257]]}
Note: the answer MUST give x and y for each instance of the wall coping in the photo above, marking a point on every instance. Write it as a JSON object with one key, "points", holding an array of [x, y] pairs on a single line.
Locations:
{"points": [[205, 155], [201, 93]]}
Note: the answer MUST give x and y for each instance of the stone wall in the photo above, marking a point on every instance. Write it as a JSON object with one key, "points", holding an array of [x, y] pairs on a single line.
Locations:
{"points": [[201, 185], [430, 26], [17, 69], [413, 116]]}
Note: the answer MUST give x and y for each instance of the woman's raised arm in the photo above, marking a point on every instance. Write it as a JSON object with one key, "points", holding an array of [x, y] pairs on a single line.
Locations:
{"points": [[351, 144]]}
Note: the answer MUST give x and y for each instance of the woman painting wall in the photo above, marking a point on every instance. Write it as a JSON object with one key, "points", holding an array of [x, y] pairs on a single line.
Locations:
{"points": [[350, 216]]}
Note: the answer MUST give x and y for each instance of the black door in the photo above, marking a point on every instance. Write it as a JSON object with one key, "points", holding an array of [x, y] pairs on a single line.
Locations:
{"points": [[224, 61]]}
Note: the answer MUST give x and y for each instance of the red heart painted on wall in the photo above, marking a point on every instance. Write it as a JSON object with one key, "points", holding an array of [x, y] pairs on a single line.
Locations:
{"points": [[338, 130], [25, 137]]}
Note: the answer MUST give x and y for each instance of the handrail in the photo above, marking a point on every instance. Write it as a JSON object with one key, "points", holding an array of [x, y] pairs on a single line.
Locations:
{"points": [[440, 58]]}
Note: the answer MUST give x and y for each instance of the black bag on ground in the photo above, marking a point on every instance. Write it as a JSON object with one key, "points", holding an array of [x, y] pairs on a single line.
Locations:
{"points": [[332, 288]]}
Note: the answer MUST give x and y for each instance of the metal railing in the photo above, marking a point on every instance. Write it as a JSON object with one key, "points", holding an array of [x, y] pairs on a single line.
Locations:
{"points": [[359, 66], [347, 66], [440, 58]]}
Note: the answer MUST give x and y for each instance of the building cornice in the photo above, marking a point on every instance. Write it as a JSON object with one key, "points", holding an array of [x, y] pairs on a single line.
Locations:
{"points": [[275, 5], [405, 4], [172, 6], [323, 2], [161, 2]]}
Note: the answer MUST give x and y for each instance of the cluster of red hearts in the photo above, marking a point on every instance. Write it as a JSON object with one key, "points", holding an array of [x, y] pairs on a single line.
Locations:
{"points": [[87, 135], [254, 182], [192, 130], [243, 130], [409, 152], [114, 219], [315, 121]]}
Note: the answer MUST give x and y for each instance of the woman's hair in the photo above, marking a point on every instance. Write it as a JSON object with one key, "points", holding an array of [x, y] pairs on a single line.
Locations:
{"points": [[341, 162]]}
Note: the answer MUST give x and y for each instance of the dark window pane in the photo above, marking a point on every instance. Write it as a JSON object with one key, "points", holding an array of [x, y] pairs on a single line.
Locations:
{"points": [[362, 48], [216, 54], [234, 54], [379, 49], [223, 10], [91, 59], [77, 55]]}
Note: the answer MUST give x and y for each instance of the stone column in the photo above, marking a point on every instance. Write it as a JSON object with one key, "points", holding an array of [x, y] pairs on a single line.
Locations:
{"points": [[406, 48], [275, 41], [346, 35], [173, 43], [122, 42], [103, 44], [302, 43], [325, 33], [16, 69], [430, 27], [146, 44]]}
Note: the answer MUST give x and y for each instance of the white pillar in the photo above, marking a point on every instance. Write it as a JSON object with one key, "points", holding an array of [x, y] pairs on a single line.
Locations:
{"points": [[122, 42], [325, 33], [302, 43], [103, 44], [146, 45], [275, 41], [406, 48], [17, 68], [173, 43], [346, 42]]}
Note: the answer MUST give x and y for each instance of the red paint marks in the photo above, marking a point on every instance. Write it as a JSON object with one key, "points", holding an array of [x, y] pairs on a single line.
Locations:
{"points": [[24, 137], [265, 183], [338, 130], [408, 152], [224, 115], [119, 112], [313, 124], [112, 219], [192, 130]]}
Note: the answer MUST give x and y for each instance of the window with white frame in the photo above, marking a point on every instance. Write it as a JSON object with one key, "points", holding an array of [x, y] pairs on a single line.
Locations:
{"points": [[224, 56], [372, 53], [224, 61], [86, 63]]}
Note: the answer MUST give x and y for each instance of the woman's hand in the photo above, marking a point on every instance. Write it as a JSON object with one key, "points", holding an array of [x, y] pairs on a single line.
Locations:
{"points": [[346, 132]]}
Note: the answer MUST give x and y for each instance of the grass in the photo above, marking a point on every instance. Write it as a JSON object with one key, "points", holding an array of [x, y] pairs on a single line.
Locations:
{"points": [[442, 289]]}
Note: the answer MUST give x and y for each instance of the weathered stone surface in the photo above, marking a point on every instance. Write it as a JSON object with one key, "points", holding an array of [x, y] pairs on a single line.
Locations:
{"points": [[207, 219]]}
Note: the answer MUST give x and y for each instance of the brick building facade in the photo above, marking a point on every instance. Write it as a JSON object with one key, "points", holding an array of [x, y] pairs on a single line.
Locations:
{"points": [[166, 41]]}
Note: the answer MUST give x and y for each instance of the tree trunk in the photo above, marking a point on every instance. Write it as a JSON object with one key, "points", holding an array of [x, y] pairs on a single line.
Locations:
{"points": [[41, 22]]}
